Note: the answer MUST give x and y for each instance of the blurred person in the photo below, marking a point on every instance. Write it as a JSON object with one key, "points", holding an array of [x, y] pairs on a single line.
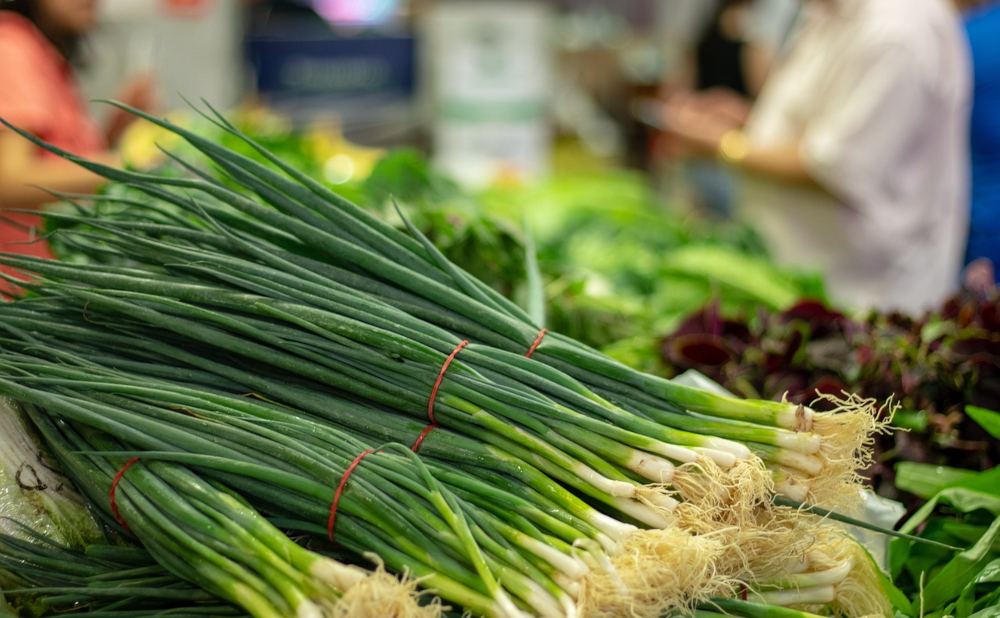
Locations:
{"points": [[730, 59], [982, 24], [39, 40], [855, 151], [721, 59]]}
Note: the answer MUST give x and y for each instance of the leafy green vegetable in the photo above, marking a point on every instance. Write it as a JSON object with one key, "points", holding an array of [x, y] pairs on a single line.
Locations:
{"points": [[990, 573], [981, 491], [989, 612], [32, 491], [941, 370], [747, 276], [618, 257], [961, 570], [987, 419], [925, 480], [963, 584]]}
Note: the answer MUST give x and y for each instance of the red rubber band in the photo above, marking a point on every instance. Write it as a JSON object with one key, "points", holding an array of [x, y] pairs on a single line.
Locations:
{"points": [[420, 438], [743, 591], [538, 339], [437, 384], [114, 486], [340, 490]]}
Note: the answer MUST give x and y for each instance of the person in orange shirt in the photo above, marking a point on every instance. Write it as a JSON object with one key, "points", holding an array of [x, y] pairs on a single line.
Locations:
{"points": [[39, 94]]}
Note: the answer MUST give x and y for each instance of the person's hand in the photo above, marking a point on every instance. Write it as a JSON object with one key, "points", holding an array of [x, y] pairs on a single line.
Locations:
{"points": [[141, 92], [698, 123], [725, 102]]}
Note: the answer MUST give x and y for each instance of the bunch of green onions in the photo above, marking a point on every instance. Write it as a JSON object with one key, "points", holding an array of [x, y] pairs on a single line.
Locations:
{"points": [[351, 333], [200, 531], [317, 224], [302, 227], [104, 580], [285, 464], [489, 395], [563, 538]]}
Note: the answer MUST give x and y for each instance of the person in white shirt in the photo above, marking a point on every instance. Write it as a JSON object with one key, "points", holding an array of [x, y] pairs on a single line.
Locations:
{"points": [[856, 150]]}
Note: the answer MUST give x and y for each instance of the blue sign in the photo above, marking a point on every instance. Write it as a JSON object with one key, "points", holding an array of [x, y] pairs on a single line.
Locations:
{"points": [[348, 68]]}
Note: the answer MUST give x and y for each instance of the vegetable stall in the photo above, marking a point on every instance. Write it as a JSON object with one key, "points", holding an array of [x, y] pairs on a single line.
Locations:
{"points": [[275, 403]]}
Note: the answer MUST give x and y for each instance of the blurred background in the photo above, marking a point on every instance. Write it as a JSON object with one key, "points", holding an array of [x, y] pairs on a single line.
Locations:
{"points": [[499, 90], [611, 153], [782, 199]]}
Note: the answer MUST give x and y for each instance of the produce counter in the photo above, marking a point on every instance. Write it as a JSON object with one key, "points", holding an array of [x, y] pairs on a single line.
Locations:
{"points": [[275, 403]]}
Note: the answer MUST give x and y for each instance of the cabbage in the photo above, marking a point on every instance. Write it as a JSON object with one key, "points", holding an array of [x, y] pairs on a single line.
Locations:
{"points": [[33, 494]]}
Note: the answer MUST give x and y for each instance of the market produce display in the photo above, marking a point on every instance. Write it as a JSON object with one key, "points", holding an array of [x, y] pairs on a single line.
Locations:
{"points": [[934, 368], [940, 370], [960, 511], [228, 366], [622, 265], [616, 264]]}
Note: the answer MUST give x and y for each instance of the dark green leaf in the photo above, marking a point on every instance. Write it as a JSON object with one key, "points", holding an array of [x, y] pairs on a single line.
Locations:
{"points": [[990, 573], [899, 554], [981, 491], [968, 533], [924, 559], [987, 419], [966, 605], [925, 480], [962, 570]]}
